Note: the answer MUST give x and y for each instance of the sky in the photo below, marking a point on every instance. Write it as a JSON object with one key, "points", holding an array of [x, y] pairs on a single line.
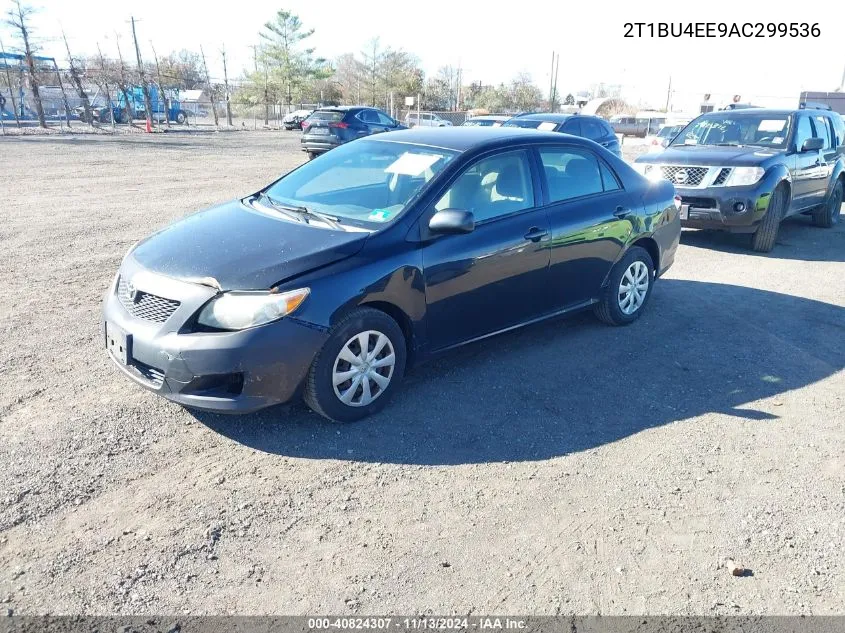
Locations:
{"points": [[490, 44]]}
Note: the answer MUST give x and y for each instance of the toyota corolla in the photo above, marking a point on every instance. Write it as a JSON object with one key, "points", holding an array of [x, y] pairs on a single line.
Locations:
{"points": [[328, 283]]}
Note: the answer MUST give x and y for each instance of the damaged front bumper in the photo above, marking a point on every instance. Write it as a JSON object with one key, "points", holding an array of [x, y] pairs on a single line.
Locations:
{"points": [[234, 372]]}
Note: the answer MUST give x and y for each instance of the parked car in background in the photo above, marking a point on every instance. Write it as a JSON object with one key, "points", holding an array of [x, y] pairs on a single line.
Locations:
{"points": [[426, 119], [745, 170], [486, 120], [327, 128], [591, 127], [657, 142], [639, 126], [293, 121], [330, 281]]}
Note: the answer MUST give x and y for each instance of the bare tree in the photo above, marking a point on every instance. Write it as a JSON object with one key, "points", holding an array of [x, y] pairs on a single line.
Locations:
{"points": [[105, 87], [373, 58], [17, 18], [226, 82], [123, 85], [162, 95], [210, 89], [77, 82], [11, 90]]}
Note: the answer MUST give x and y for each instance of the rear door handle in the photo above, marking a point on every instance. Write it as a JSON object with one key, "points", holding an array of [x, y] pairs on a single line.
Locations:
{"points": [[622, 212], [535, 234]]}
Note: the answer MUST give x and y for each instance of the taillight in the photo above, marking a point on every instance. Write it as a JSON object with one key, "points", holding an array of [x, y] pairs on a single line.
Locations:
{"points": [[340, 124], [305, 124]]}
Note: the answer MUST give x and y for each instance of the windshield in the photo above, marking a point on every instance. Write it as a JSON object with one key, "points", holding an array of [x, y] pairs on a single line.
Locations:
{"points": [[764, 130], [365, 183]]}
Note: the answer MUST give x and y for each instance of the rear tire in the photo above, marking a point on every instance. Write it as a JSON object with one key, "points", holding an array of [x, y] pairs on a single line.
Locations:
{"points": [[828, 214], [312, 155], [628, 288], [766, 235], [181, 118], [368, 379]]}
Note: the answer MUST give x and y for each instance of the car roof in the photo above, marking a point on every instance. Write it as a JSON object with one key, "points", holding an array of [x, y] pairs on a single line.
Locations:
{"points": [[344, 108], [462, 139], [768, 111]]}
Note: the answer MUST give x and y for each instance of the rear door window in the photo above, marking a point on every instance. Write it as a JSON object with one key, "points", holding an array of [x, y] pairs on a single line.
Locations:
{"points": [[592, 130], [572, 173]]}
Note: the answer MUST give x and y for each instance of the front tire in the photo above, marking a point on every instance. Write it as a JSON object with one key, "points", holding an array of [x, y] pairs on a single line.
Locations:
{"points": [[359, 367], [181, 118], [628, 288], [764, 238], [827, 216]]}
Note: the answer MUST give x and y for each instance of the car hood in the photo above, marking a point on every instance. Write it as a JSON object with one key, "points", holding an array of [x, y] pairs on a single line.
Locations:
{"points": [[710, 155], [241, 248]]}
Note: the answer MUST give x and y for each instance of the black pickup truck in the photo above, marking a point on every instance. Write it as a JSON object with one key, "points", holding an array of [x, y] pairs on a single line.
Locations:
{"points": [[746, 170]]}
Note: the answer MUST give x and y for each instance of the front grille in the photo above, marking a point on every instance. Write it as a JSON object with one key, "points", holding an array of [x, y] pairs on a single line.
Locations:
{"points": [[684, 176], [701, 203], [145, 305], [723, 176], [149, 373]]}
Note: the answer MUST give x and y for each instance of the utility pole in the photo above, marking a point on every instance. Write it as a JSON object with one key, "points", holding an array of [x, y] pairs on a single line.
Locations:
{"points": [[226, 83], [77, 82], [148, 107], [9, 82], [552, 84], [557, 69], [842, 83], [210, 89], [162, 94], [668, 93], [106, 87]]}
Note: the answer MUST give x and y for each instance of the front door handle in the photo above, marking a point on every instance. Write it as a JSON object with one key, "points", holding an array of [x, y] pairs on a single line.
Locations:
{"points": [[622, 212], [535, 234]]}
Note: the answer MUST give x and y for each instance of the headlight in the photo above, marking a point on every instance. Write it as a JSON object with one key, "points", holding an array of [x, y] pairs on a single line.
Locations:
{"points": [[744, 176], [652, 172], [240, 310]]}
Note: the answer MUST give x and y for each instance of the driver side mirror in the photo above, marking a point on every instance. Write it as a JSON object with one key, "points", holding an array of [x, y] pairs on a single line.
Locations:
{"points": [[452, 222], [812, 144]]}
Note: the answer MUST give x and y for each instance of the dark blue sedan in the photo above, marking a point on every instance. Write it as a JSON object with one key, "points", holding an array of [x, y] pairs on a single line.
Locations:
{"points": [[329, 282]]}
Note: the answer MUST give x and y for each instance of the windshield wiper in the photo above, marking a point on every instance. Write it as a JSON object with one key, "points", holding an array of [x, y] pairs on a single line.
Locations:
{"points": [[728, 144], [304, 212], [308, 213]]}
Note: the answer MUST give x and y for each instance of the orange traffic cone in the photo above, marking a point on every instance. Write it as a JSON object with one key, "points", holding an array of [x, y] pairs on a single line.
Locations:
{"points": [[149, 126]]}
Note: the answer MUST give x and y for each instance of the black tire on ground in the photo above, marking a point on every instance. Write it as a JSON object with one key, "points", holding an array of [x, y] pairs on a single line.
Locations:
{"points": [[311, 155], [766, 235], [608, 309], [319, 387], [827, 215], [181, 117]]}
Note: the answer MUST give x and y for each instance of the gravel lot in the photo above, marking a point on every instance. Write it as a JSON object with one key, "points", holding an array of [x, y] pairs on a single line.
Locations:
{"points": [[565, 468]]}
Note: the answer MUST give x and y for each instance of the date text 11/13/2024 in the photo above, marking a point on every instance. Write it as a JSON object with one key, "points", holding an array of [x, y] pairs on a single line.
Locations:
{"points": [[720, 29]]}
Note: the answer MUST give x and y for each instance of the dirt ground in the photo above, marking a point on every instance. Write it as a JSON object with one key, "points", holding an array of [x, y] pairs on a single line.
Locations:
{"points": [[565, 468]]}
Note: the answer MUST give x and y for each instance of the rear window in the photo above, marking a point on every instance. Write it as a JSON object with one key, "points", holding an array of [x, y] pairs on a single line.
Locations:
{"points": [[527, 123], [328, 115]]}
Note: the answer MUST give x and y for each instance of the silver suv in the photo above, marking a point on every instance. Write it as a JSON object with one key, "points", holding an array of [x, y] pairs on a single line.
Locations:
{"points": [[425, 119]]}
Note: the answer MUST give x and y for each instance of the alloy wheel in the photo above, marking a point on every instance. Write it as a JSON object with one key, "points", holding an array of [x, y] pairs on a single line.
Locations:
{"points": [[633, 287], [363, 368]]}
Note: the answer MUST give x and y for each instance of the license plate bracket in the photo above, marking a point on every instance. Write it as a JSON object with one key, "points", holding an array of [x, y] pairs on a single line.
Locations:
{"points": [[118, 343], [322, 131], [684, 212]]}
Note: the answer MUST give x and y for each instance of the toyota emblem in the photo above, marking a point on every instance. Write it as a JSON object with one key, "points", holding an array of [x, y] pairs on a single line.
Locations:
{"points": [[131, 291], [681, 176]]}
